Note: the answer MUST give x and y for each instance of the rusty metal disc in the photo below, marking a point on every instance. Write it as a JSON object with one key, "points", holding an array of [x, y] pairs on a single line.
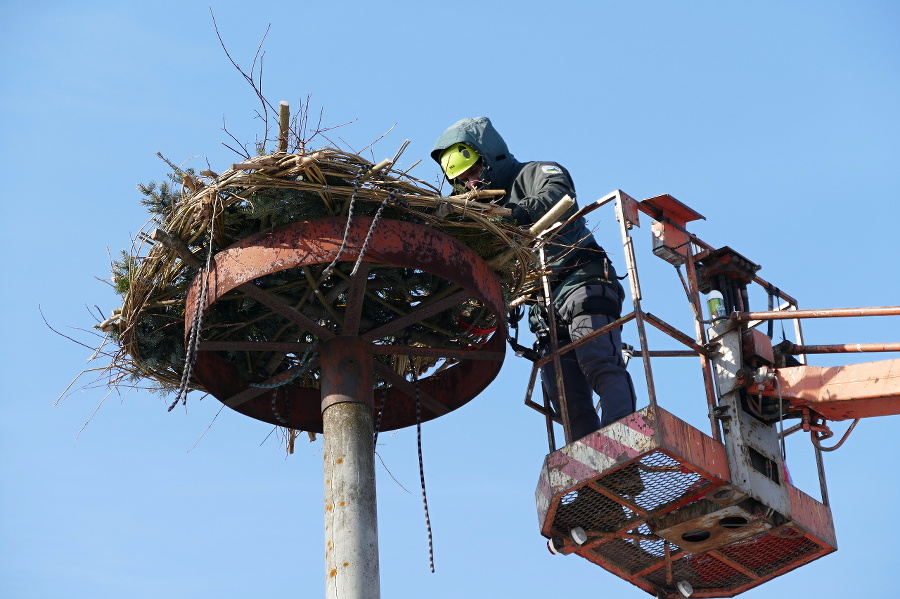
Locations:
{"points": [[464, 276]]}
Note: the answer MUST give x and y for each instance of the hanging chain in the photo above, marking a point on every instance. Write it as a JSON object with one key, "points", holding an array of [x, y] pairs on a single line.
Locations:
{"points": [[197, 323], [306, 361], [287, 407], [378, 416], [365, 244], [415, 378], [356, 183]]}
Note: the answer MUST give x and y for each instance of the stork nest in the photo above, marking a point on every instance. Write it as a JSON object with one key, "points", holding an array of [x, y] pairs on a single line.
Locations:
{"points": [[198, 214]]}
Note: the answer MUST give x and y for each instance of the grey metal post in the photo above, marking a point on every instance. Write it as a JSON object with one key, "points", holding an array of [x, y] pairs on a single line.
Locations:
{"points": [[351, 518]]}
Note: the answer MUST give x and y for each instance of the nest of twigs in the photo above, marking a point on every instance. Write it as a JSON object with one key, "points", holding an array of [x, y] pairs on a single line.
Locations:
{"points": [[198, 214]]}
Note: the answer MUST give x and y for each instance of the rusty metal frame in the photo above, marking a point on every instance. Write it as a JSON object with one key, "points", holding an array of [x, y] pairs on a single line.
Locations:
{"points": [[870, 389], [317, 242]]}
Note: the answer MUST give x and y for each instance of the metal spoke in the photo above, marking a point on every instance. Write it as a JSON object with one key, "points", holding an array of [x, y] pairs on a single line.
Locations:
{"points": [[388, 374], [436, 352], [353, 311], [420, 313], [279, 306]]}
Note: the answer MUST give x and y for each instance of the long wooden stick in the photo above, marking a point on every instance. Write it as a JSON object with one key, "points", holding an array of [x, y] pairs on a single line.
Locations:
{"points": [[178, 245], [284, 118]]}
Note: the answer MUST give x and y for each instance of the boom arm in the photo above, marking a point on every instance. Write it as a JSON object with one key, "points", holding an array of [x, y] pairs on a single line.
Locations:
{"points": [[841, 392]]}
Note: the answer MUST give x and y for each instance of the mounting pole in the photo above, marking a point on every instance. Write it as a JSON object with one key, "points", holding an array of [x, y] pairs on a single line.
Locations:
{"points": [[351, 518]]}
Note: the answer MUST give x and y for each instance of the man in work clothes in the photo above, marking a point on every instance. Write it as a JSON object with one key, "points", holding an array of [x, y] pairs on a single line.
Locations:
{"points": [[586, 293]]}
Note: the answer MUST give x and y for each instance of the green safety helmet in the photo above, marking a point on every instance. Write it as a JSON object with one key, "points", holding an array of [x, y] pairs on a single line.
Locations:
{"points": [[457, 159]]}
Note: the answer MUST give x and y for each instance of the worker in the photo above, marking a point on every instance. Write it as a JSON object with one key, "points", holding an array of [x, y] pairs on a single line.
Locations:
{"points": [[586, 293]]}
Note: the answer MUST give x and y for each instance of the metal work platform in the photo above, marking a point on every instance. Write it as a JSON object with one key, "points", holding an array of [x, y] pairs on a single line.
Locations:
{"points": [[652, 495], [682, 513]]}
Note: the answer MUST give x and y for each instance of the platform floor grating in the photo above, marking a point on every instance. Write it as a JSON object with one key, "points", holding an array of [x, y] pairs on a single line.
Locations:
{"points": [[768, 553], [637, 551], [652, 483], [703, 572], [591, 510], [756, 559], [665, 480]]}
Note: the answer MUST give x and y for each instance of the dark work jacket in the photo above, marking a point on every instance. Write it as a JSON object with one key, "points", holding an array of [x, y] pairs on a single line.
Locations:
{"points": [[532, 188]]}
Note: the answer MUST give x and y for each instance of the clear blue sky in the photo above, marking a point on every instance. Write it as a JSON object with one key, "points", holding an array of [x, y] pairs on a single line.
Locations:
{"points": [[778, 121]]}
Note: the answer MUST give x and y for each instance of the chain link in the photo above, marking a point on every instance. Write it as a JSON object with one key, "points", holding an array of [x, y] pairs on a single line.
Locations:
{"points": [[197, 323], [415, 378]]}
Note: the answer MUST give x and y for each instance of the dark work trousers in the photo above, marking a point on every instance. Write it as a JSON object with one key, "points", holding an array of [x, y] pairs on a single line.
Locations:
{"points": [[597, 366]]}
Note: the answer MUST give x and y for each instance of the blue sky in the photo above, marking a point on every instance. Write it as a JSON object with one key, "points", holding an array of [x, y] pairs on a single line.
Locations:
{"points": [[777, 121]]}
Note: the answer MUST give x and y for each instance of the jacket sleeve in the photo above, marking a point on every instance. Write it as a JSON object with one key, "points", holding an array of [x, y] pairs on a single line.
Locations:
{"points": [[537, 188]]}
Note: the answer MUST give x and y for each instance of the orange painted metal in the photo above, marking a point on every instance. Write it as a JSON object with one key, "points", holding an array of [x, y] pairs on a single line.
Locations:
{"points": [[842, 392], [756, 347], [864, 390], [666, 207], [394, 243], [670, 238]]}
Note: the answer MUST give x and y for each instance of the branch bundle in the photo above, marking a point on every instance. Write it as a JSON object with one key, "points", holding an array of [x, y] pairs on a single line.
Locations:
{"points": [[212, 211]]}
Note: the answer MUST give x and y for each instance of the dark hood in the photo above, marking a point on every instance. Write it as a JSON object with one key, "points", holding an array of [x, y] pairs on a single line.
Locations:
{"points": [[500, 167]]}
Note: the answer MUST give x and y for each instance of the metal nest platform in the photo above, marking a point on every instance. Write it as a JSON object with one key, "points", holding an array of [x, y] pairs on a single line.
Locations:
{"points": [[649, 499], [464, 277]]}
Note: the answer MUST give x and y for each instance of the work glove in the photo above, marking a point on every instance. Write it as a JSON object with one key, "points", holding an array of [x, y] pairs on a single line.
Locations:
{"points": [[519, 216]]}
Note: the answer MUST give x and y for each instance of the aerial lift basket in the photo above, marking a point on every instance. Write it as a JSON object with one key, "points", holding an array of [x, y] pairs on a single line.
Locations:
{"points": [[649, 499]]}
